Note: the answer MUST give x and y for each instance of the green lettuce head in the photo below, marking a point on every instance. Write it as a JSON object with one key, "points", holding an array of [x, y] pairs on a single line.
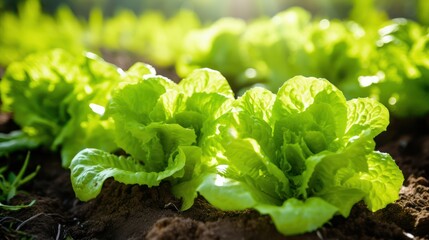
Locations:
{"points": [[397, 69], [58, 100], [161, 126], [300, 156]]}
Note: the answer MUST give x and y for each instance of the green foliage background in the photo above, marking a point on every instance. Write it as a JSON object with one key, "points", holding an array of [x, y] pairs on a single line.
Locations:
{"points": [[211, 10]]}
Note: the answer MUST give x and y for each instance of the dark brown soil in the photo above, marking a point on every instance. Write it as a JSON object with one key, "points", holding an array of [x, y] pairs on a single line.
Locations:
{"points": [[138, 212]]}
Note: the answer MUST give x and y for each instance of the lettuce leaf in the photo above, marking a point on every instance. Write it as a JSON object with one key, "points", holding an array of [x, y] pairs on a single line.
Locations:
{"points": [[295, 215], [91, 167], [301, 155]]}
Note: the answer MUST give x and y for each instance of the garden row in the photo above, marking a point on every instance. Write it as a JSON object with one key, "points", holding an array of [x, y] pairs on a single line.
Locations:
{"points": [[306, 152]]}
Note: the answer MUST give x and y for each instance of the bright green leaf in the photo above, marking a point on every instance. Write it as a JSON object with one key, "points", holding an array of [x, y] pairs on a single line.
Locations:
{"points": [[296, 217]]}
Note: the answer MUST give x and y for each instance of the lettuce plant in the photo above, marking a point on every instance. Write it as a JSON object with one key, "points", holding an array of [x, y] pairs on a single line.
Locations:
{"points": [[398, 69], [217, 47], [275, 47], [161, 126], [300, 156], [58, 100]]}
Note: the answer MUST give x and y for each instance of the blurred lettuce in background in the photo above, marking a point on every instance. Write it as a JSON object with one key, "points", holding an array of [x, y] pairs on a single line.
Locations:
{"points": [[58, 101], [30, 30], [211, 10], [365, 47]]}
